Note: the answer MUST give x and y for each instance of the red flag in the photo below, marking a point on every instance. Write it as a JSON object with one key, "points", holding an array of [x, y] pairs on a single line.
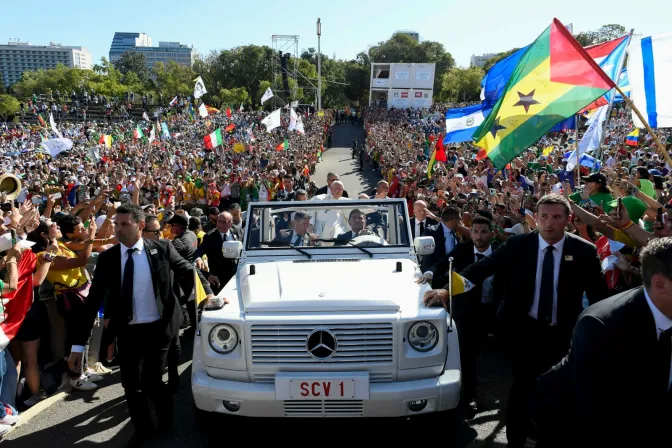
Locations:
{"points": [[230, 127], [20, 300], [440, 155], [228, 112]]}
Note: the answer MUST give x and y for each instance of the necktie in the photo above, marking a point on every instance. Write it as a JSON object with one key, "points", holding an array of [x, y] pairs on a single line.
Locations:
{"points": [[545, 312], [127, 284], [665, 355], [479, 257], [224, 237], [298, 240], [422, 228]]}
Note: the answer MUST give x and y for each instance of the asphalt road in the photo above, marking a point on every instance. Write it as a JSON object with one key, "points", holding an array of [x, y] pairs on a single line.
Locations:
{"points": [[100, 418]]}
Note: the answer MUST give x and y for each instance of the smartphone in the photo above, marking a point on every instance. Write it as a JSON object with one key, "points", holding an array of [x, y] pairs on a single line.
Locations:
{"points": [[618, 208], [6, 207], [659, 215], [57, 196]]}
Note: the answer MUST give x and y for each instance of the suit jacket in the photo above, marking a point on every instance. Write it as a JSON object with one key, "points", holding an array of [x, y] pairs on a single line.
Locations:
{"points": [[463, 256], [343, 238], [514, 266], [223, 268], [435, 231], [610, 379], [285, 236], [164, 263], [428, 222], [325, 190]]}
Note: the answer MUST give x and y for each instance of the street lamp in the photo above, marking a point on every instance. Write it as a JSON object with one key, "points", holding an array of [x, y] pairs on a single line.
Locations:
{"points": [[319, 66]]}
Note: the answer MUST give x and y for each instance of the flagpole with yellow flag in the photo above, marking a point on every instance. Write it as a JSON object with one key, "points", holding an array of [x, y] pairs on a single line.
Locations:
{"points": [[660, 145], [199, 291], [450, 291]]}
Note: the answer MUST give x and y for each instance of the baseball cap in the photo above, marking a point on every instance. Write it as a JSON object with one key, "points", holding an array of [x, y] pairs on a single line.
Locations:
{"points": [[597, 178], [180, 220]]}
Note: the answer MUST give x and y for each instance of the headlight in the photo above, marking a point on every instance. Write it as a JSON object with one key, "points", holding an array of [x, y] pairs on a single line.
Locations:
{"points": [[223, 339], [423, 336]]}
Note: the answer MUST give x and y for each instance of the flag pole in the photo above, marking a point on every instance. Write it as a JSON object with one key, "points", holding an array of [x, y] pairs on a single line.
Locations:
{"points": [[576, 149], [450, 290], [660, 145], [611, 102]]}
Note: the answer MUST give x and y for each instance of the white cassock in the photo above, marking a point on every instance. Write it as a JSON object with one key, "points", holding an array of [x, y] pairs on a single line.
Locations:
{"points": [[327, 224]]}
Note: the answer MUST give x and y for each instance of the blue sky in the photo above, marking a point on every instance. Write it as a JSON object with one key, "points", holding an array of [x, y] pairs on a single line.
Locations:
{"points": [[348, 27]]}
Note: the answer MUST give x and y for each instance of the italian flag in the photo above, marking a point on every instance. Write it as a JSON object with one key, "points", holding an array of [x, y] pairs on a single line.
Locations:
{"points": [[213, 140], [138, 133], [283, 145]]}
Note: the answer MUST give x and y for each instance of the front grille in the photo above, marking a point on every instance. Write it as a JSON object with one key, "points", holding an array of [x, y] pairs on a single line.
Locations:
{"points": [[357, 343], [324, 408], [374, 377]]}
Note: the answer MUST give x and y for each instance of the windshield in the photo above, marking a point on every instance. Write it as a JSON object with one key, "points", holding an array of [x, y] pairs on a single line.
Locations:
{"points": [[346, 223]]}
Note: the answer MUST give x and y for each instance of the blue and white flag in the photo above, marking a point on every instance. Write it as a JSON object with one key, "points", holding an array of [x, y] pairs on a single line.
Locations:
{"points": [[584, 159], [461, 123], [591, 139], [649, 68], [624, 84]]}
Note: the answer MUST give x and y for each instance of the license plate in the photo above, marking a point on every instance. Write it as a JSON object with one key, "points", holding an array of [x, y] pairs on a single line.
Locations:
{"points": [[322, 389]]}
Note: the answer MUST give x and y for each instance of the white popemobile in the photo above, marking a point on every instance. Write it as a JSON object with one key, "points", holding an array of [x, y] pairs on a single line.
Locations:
{"points": [[325, 327]]}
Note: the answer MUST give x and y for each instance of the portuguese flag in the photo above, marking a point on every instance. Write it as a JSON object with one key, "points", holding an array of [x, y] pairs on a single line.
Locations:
{"points": [[553, 80], [213, 140], [283, 145]]}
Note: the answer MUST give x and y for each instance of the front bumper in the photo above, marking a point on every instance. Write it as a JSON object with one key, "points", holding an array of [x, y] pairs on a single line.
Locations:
{"points": [[385, 399]]}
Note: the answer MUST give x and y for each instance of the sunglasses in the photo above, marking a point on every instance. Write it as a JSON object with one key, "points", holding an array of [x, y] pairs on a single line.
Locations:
{"points": [[155, 232]]}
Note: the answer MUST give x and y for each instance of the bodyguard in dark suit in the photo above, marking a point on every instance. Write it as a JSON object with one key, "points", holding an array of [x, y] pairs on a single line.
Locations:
{"points": [[468, 309], [542, 299], [298, 236], [420, 221], [222, 268], [445, 238], [616, 378], [136, 276]]}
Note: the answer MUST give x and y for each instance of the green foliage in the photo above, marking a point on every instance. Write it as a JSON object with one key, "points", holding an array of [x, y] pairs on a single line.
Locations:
{"points": [[8, 106], [132, 62], [461, 84], [603, 34], [498, 57], [233, 97]]}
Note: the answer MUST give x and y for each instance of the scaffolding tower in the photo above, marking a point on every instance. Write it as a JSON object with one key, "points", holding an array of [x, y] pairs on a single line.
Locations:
{"points": [[285, 67]]}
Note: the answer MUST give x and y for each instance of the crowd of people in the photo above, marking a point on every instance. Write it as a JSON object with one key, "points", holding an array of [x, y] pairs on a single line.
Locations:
{"points": [[69, 209]]}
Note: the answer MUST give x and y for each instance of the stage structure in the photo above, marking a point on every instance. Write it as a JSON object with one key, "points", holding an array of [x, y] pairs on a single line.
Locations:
{"points": [[285, 68], [401, 85]]}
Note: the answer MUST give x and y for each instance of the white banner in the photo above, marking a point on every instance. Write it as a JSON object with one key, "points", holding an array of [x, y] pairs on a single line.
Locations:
{"points": [[56, 146], [199, 88], [53, 126], [202, 111], [292, 120], [272, 121], [268, 94]]}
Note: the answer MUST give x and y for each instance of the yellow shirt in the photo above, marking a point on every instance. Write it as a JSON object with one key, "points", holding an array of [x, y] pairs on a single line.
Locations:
{"points": [[68, 278]]}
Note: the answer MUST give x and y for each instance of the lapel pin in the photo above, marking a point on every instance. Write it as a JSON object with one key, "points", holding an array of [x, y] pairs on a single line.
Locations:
{"points": [[153, 252], [569, 258]]}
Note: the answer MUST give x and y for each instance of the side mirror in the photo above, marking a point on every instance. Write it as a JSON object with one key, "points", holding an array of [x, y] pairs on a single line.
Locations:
{"points": [[232, 249], [424, 245]]}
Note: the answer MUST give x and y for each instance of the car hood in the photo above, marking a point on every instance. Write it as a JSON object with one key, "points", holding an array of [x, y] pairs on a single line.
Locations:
{"points": [[330, 286]]}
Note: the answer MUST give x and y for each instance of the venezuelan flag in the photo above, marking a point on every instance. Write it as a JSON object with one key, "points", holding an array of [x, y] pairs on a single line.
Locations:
{"points": [[632, 138], [553, 80]]}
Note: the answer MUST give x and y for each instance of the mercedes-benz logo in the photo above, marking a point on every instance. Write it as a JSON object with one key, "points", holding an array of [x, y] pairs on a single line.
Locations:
{"points": [[321, 344]]}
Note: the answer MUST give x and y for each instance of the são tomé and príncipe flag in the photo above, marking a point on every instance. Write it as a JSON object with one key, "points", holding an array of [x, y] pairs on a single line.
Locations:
{"points": [[553, 80]]}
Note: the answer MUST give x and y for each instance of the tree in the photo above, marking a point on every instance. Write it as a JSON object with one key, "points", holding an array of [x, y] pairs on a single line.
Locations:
{"points": [[498, 57], [8, 106], [603, 34], [132, 61], [233, 97], [173, 79], [462, 84]]}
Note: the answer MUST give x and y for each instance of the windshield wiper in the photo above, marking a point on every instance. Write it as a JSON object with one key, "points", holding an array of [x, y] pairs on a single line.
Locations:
{"points": [[349, 244], [283, 244]]}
